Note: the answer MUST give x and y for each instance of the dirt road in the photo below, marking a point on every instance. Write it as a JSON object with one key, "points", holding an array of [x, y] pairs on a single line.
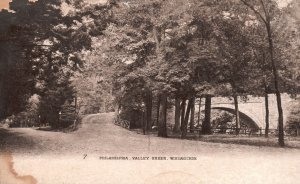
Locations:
{"points": [[81, 157]]}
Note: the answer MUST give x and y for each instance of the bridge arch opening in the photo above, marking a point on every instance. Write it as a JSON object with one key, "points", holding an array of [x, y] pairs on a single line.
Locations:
{"points": [[247, 120]]}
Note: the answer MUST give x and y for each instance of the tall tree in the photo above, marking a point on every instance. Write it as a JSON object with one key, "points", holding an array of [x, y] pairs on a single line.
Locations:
{"points": [[265, 13], [192, 119], [53, 50], [206, 126], [162, 126], [186, 118], [177, 115]]}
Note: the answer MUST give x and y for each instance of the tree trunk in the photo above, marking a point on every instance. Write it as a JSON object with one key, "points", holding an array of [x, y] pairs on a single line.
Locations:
{"points": [[162, 126], [278, 95], [3, 100], [103, 106], [148, 110], [186, 119], [237, 115], [157, 110], [206, 127], [157, 39], [199, 112], [267, 22], [144, 123], [267, 114], [75, 101], [192, 120], [4, 67], [177, 115], [183, 104], [117, 109]]}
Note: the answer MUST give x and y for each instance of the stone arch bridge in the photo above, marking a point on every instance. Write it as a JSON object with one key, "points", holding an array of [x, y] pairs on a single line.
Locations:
{"points": [[253, 110]]}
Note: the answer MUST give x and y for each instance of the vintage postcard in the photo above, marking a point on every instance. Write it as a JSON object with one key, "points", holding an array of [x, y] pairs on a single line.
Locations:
{"points": [[149, 91]]}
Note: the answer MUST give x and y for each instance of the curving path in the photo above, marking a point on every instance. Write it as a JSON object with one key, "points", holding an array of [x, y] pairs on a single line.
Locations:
{"points": [[55, 157], [98, 135]]}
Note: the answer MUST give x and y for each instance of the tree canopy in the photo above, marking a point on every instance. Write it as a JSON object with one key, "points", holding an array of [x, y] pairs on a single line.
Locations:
{"points": [[131, 54]]}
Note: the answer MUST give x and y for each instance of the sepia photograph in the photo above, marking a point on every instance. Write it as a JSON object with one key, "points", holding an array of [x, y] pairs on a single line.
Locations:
{"points": [[149, 91]]}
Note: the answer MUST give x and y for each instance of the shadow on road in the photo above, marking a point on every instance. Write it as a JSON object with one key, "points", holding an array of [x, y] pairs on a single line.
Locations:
{"points": [[11, 141]]}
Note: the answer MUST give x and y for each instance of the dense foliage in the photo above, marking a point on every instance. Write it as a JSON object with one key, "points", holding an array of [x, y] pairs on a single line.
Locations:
{"points": [[141, 57]]}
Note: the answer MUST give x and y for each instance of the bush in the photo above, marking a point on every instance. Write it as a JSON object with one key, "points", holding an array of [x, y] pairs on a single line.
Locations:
{"points": [[222, 119], [134, 116], [294, 116], [22, 119]]}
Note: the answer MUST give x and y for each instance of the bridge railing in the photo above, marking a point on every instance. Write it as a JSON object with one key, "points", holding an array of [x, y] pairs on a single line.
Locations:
{"points": [[274, 132], [120, 122], [249, 131]]}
